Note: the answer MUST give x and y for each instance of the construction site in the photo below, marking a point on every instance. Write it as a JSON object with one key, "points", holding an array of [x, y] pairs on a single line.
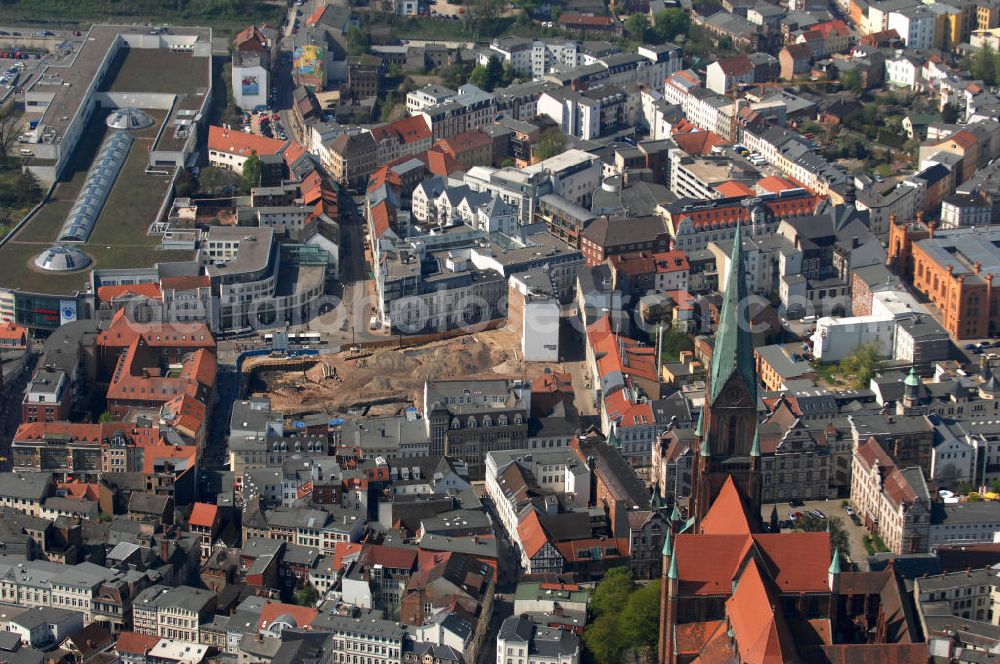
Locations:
{"points": [[376, 381]]}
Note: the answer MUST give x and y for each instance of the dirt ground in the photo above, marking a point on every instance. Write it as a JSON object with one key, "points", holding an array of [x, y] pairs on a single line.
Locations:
{"points": [[392, 379]]}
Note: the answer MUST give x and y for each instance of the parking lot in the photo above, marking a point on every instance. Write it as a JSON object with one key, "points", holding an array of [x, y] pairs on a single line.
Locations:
{"points": [[830, 509], [265, 123]]}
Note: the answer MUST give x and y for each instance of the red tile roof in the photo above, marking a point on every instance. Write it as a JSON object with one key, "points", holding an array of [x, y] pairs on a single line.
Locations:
{"points": [[343, 551], [464, 142], [204, 515], [697, 142], [964, 139], [396, 557], [134, 643]]}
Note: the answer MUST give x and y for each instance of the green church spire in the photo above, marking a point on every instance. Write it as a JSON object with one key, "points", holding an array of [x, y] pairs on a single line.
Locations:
{"points": [[667, 544], [835, 563], [733, 353], [755, 448], [672, 574]]}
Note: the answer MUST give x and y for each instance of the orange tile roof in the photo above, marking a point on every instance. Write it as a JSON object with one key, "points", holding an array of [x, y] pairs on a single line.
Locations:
{"points": [[154, 453], [964, 139], [757, 620], [733, 188], [406, 131], [108, 293], [248, 33], [81, 432], [241, 143], [671, 261], [727, 515], [292, 152], [79, 490], [708, 563], [774, 184], [442, 164], [380, 218], [122, 332], [343, 551], [610, 548], [204, 515], [836, 27], [691, 638], [302, 615], [533, 536], [13, 331]]}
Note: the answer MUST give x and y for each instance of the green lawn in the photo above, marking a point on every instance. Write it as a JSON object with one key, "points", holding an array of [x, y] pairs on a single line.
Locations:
{"points": [[157, 70]]}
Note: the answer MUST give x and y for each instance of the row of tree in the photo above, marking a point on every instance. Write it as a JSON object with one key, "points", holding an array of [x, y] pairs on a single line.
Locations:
{"points": [[667, 25]]}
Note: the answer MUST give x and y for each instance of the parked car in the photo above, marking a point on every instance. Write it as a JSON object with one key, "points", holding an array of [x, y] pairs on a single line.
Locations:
{"points": [[969, 346], [818, 514], [795, 502]]}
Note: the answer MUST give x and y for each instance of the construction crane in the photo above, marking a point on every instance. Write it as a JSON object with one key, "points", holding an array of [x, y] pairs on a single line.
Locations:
{"points": [[741, 87]]}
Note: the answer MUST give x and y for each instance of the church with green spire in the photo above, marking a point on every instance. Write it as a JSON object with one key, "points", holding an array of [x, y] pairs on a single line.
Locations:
{"points": [[728, 441]]}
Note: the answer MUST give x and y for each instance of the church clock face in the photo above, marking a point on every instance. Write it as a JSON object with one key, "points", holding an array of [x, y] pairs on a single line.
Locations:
{"points": [[734, 394]]}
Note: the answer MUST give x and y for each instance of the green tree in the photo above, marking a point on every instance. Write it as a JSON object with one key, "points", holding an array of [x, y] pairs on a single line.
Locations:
{"points": [[358, 42], [838, 536], [984, 65], [670, 23], [253, 169], [494, 72], [105, 417], [611, 594], [550, 143], [673, 343], [851, 80], [640, 619], [307, 595], [603, 638], [28, 191], [478, 76], [862, 365], [636, 26]]}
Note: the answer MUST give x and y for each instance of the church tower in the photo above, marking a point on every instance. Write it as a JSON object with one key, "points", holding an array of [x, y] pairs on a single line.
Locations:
{"points": [[727, 431]]}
